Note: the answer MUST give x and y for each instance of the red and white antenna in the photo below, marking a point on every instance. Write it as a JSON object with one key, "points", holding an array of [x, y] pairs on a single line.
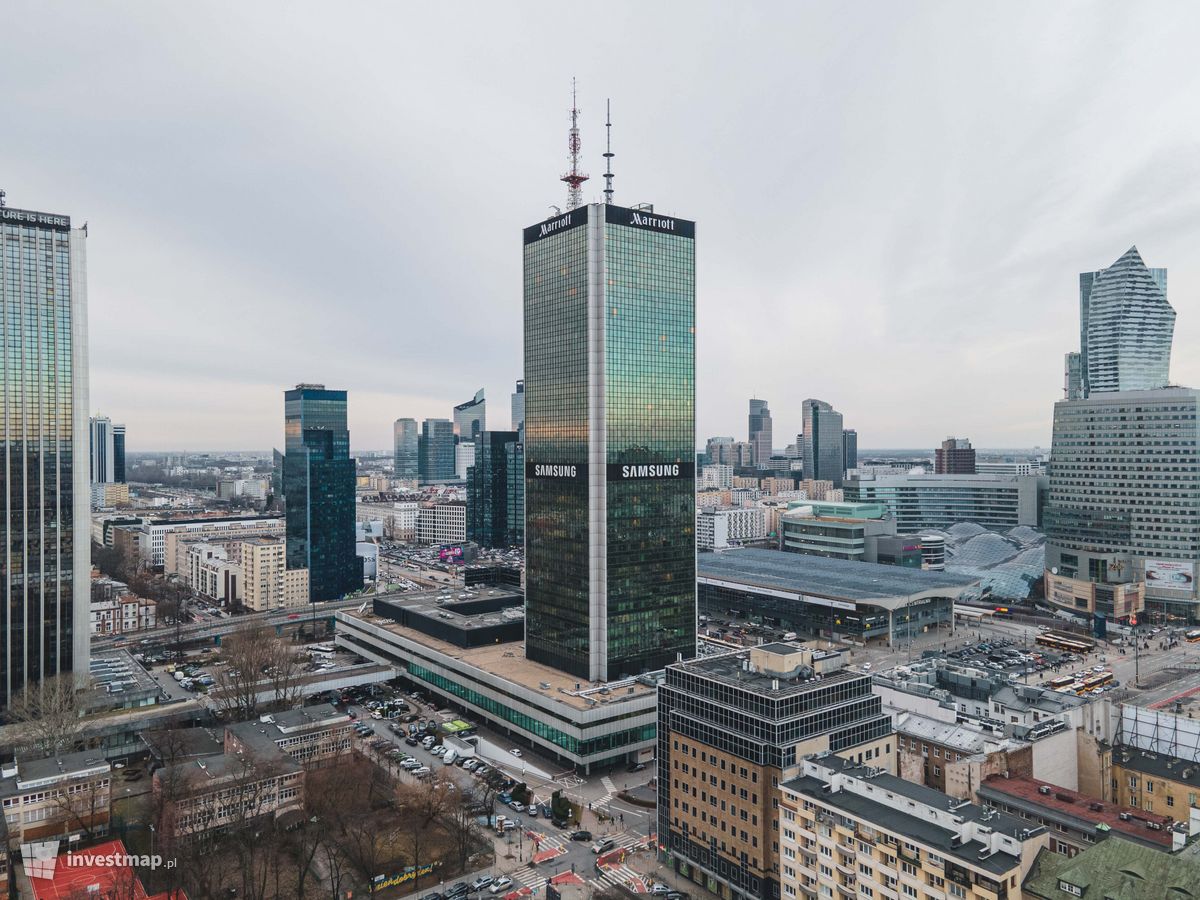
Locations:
{"points": [[574, 178]]}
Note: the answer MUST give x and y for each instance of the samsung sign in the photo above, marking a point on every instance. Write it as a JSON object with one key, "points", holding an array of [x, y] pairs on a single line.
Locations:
{"points": [[614, 471], [38, 219]]}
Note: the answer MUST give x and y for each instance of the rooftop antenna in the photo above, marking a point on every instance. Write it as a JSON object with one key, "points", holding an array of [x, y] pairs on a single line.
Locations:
{"points": [[608, 154], [574, 178]]}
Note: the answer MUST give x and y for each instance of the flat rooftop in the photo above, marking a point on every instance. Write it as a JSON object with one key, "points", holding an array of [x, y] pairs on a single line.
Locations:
{"points": [[728, 668], [1069, 804], [507, 662], [835, 579]]}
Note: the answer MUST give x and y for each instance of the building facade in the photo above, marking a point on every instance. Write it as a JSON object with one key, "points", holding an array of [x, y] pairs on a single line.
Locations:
{"points": [[956, 456], [405, 438], [319, 486], [609, 440], [435, 451], [1124, 499], [107, 444], [491, 490], [442, 523], [65, 797], [518, 406], [822, 442], [45, 563], [267, 582], [760, 433], [470, 418], [849, 449], [997, 502]]}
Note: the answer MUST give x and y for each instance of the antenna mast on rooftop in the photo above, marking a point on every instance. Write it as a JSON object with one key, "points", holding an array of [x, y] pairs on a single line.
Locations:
{"points": [[574, 178], [608, 154]]}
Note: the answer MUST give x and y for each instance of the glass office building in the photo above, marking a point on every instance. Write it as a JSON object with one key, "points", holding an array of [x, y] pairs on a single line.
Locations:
{"points": [[759, 430], [823, 442], [489, 493], [406, 439], [470, 418], [609, 441], [44, 564], [435, 451], [318, 481]]}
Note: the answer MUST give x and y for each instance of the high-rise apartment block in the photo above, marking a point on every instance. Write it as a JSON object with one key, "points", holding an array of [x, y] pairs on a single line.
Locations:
{"points": [[609, 440], [1125, 327], [435, 451], [823, 442], [318, 475], [731, 729], [44, 563], [956, 456], [267, 582], [759, 432], [406, 440], [470, 418], [495, 488]]}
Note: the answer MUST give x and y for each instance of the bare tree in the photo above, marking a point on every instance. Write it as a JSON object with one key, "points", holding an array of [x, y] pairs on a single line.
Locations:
{"points": [[261, 673], [421, 805], [48, 714], [86, 804]]}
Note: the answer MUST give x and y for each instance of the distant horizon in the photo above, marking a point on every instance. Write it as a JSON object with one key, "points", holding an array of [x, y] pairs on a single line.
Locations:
{"points": [[869, 451]]}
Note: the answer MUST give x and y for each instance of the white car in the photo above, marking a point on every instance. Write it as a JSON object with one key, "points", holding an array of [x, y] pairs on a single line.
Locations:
{"points": [[515, 751], [500, 884]]}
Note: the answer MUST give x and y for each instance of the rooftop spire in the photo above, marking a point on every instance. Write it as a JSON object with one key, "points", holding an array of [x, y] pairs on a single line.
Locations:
{"points": [[608, 154], [574, 178]]}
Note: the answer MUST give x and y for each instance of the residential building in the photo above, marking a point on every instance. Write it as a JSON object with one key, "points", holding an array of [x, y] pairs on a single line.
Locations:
{"points": [[823, 442], [1113, 868], [760, 433], [834, 598], [717, 529], [1124, 501], [849, 449], [494, 484], [1154, 782], [518, 406], [919, 502], [774, 486], [716, 477], [109, 495], [470, 418], [319, 485], [61, 797], [820, 489], [169, 540], [435, 451], [266, 581], [44, 563], [107, 457], [862, 832], [610, 440], [406, 439], [956, 456], [731, 729], [250, 488], [442, 523], [954, 757], [1125, 327], [117, 610], [212, 574]]}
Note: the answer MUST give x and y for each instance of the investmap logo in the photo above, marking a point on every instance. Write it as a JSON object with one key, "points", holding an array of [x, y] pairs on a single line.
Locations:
{"points": [[40, 858]]}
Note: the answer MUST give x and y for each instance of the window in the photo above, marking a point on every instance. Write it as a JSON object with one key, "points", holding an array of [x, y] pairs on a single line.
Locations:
{"points": [[1067, 888]]}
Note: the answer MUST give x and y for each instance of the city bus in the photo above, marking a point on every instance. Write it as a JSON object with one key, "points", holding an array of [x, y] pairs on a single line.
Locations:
{"points": [[1193, 635], [1062, 682], [1066, 643], [1094, 681]]}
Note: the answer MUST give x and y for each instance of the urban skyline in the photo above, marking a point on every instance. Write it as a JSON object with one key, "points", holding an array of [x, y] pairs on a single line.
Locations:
{"points": [[1071, 207]]}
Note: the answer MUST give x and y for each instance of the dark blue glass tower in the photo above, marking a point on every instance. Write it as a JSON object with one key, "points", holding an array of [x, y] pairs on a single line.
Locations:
{"points": [[318, 484]]}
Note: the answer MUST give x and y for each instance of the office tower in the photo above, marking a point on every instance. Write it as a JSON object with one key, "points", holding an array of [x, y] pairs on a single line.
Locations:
{"points": [[1073, 376], [760, 433], [107, 450], [276, 475], [956, 456], [1123, 512], [464, 458], [822, 442], [849, 449], [44, 564], [118, 437], [470, 418], [518, 406], [435, 451], [1125, 327], [318, 479], [610, 441], [407, 441], [719, 451], [489, 491]]}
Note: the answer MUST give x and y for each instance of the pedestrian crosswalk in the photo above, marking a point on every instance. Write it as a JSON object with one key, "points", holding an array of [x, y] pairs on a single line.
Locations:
{"points": [[608, 784], [526, 876], [618, 876]]}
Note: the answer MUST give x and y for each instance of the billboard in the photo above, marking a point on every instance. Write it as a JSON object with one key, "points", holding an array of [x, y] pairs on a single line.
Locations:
{"points": [[451, 553], [1170, 573]]}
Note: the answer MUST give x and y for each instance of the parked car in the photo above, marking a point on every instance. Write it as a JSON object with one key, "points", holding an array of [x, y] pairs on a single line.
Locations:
{"points": [[481, 882], [501, 884]]}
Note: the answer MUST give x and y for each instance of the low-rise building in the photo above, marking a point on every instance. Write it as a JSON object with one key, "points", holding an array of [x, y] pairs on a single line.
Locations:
{"points": [[311, 735], [954, 757], [857, 831], [61, 797], [114, 609], [1154, 782], [718, 529], [922, 501], [1115, 868]]}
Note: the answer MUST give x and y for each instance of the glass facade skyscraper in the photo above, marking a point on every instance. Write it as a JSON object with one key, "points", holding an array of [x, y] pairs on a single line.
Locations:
{"points": [[822, 442], [407, 443], [849, 449], [759, 422], [518, 406], [489, 490], [470, 418], [106, 461], [435, 451], [609, 441], [1125, 327], [45, 560], [318, 482]]}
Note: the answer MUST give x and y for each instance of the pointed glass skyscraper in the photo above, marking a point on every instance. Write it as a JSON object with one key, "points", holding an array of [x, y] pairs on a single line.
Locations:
{"points": [[1125, 327]]}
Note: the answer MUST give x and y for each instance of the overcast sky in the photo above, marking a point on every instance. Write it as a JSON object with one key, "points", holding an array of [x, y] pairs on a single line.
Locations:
{"points": [[893, 199]]}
